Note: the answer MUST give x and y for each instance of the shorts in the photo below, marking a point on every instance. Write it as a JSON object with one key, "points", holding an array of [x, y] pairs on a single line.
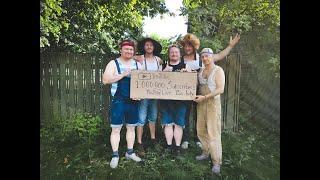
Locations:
{"points": [[148, 110], [173, 112], [124, 111]]}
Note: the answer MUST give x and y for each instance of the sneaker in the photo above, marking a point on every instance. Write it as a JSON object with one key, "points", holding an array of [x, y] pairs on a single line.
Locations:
{"points": [[133, 156], [114, 162], [168, 150], [140, 150], [178, 153], [202, 157], [184, 145], [216, 169], [198, 143]]}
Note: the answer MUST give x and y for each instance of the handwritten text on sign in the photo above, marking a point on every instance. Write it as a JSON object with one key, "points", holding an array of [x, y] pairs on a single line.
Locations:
{"points": [[163, 85]]}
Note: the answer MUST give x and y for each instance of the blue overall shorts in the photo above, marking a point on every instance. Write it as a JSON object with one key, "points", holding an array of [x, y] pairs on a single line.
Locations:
{"points": [[123, 109]]}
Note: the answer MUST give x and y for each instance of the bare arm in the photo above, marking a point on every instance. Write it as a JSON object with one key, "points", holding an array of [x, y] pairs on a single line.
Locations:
{"points": [[160, 63], [110, 75], [221, 55], [220, 81]]}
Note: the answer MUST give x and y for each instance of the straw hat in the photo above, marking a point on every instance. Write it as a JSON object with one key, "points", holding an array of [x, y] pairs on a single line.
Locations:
{"points": [[157, 46]]}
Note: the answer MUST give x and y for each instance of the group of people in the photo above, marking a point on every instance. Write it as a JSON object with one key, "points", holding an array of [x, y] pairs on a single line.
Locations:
{"points": [[174, 113]]}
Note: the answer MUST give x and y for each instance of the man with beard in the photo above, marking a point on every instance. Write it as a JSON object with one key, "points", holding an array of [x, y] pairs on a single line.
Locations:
{"points": [[148, 108]]}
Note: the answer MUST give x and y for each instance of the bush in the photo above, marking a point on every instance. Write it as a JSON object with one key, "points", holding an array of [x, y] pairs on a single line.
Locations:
{"points": [[81, 128]]}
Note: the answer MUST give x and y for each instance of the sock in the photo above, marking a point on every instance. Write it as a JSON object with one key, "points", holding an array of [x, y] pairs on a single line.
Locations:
{"points": [[130, 151], [115, 154]]}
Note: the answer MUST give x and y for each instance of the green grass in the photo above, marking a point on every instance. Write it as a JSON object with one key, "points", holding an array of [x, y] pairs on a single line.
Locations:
{"points": [[252, 153]]}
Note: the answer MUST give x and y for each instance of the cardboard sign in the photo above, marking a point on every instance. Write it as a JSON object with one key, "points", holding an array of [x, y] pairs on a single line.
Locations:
{"points": [[163, 85]]}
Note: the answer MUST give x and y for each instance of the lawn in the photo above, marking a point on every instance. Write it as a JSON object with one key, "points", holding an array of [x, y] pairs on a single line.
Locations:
{"points": [[251, 153]]}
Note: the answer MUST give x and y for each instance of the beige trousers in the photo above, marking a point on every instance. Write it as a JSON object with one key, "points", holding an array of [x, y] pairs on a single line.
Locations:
{"points": [[209, 125]]}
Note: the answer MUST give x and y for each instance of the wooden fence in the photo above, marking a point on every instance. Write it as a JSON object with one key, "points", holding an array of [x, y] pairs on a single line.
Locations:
{"points": [[231, 96], [72, 83]]}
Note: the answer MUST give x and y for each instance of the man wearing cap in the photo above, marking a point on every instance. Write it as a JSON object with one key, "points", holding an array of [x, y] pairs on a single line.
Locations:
{"points": [[123, 109], [211, 84], [191, 44], [148, 108]]}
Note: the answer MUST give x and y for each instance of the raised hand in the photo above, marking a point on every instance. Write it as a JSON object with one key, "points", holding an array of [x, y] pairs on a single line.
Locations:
{"points": [[235, 40]]}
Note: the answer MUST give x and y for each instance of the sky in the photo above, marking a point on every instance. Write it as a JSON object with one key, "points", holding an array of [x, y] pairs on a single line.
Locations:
{"points": [[169, 26]]}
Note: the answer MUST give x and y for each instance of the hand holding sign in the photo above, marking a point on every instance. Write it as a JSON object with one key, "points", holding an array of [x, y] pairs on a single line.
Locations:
{"points": [[168, 68], [163, 85]]}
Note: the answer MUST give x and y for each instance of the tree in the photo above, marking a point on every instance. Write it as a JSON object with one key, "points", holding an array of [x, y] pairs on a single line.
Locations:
{"points": [[93, 26], [258, 21]]}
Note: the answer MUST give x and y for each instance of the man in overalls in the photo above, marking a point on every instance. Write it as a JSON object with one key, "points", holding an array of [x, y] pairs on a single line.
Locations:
{"points": [[123, 109]]}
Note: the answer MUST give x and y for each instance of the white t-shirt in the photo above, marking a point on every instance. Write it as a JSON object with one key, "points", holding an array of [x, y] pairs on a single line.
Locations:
{"points": [[193, 64], [151, 65]]}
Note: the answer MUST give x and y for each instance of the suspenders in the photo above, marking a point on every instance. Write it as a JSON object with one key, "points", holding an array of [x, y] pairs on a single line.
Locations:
{"points": [[145, 63], [118, 66], [195, 57]]}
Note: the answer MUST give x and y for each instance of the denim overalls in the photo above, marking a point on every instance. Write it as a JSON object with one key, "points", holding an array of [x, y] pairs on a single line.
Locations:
{"points": [[123, 109]]}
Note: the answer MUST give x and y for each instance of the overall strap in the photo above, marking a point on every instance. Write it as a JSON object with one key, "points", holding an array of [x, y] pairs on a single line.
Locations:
{"points": [[200, 62], [157, 61], [145, 64], [136, 65], [118, 67]]}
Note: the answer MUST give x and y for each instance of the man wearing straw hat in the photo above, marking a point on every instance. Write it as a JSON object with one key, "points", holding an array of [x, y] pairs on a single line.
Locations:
{"points": [[148, 108]]}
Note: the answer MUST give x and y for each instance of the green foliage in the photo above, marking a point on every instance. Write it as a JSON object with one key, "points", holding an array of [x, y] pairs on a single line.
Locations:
{"points": [[251, 153], [275, 66], [258, 21], [93, 26], [52, 21], [68, 145], [81, 128]]}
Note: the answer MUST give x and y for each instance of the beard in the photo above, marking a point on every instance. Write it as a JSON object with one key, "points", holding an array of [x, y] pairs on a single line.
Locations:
{"points": [[189, 52]]}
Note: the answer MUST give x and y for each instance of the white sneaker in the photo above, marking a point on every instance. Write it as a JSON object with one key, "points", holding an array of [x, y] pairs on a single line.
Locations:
{"points": [[216, 169], [114, 162], [199, 144], [202, 157], [184, 145], [133, 156]]}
